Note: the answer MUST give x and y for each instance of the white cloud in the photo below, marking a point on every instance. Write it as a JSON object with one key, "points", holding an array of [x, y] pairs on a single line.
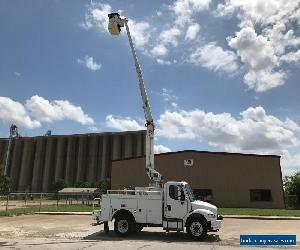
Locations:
{"points": [[248, 44], [88, 61], [174, 104], [159, 50], [158, 13], [158, 149], [168, 95], [140, 32], [291, 57], [192, 31], [260, 67], [38, 110], [17, 73], [213, 57], [169, 36], [163, 62], [94, 129], [97, 17], [262, 52], [46, 111], [263, 11], [183, 27], [264, 80], [281, 37], [254, 131], [122, 123], [14, 112], [185, 9], [290, 163]]}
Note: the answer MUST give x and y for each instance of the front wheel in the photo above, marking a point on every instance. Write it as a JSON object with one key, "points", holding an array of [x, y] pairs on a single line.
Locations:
{"points": [[123, 225], [197, 228]]}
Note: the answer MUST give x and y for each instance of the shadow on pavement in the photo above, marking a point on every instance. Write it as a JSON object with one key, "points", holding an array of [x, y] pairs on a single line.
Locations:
{"points": [[151, 236]]}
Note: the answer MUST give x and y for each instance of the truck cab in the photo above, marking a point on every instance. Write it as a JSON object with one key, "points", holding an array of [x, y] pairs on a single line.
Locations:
{"points": [[181, 209], [172, 207]]}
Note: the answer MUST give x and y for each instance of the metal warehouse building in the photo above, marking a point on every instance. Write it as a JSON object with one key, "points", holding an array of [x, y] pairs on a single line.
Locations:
{"points": [[37, 162], [225, 179]]}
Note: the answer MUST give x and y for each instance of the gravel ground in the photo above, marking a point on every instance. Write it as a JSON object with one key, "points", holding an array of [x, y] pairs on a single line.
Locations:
{"points": [[77, 232]]}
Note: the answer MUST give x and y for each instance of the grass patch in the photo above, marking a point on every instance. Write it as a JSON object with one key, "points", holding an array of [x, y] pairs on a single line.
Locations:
{"points": [[259, 211], [49, 208], [20, 211]]}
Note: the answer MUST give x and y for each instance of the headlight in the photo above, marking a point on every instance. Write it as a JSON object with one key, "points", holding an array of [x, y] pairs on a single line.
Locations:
{"points": [[211, 216]]}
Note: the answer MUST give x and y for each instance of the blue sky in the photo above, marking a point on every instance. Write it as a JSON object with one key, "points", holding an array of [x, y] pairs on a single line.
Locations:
{"points": [[220, 75]]}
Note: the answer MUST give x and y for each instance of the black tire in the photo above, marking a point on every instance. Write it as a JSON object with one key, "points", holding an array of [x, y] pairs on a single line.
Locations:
{"points": [[197, 227], [123, 225], [106, 228], [138, 227]]}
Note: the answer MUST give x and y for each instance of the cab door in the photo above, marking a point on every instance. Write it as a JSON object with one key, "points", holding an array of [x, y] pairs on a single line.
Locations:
{"points": [[176, 205]]}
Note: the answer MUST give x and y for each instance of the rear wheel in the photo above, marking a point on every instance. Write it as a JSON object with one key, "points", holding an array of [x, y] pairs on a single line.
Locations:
{"points": [[106, 228], [123, 225], [197, 228]]}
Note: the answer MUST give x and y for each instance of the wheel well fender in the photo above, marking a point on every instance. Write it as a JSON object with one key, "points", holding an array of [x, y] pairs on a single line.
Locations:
{"points": [[123, 211], [193, 216]]}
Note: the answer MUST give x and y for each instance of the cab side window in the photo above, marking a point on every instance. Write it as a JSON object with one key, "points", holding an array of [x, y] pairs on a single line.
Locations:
{"points": [[182, 198], [173, 192]]}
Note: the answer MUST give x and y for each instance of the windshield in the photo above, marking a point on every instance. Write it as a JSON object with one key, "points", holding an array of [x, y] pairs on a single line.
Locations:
{"points": [[189, 192]]}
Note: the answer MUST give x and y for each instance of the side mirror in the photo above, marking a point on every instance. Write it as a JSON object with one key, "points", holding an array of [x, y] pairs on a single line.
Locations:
{"points": [[178, 192]]}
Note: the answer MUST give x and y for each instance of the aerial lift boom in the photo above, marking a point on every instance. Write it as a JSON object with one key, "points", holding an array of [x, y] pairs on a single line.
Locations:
{"points": [[114, 27]]}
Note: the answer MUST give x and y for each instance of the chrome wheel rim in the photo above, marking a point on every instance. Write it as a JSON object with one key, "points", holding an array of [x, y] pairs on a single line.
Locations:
{"points": [[196, 228], [123, 226]]}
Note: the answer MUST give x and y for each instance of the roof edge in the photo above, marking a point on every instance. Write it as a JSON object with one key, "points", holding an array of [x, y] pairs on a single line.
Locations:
{"points": [[198, 151], [79, 135]]}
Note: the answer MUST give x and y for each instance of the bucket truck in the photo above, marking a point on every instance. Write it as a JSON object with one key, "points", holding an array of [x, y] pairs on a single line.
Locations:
{"points": [[171, 205]]}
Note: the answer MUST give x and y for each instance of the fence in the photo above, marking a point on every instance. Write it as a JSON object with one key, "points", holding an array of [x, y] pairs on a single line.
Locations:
{"points": [[292, 201], [20, 203]]}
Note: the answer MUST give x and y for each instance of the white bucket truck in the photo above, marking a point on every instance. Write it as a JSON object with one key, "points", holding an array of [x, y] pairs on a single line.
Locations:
{"points": [[173, 208], [172, 205]]}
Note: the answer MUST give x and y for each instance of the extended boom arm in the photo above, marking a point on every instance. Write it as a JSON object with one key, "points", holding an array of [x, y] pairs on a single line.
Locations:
{"points": [[114, 27]]}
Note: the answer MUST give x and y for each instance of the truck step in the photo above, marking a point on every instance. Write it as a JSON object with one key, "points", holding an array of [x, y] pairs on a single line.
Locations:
{"points": [[171, 224]]}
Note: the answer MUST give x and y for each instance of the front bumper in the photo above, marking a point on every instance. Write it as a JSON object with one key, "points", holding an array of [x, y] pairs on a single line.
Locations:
{"points": [[216, 224]]}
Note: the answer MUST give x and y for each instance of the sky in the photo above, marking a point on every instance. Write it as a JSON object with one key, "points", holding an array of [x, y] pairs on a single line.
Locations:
{"points": [[220, 75]]}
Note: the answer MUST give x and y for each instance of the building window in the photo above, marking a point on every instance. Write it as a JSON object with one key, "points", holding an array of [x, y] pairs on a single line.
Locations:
{"points": [[203, 194], [260, 195]]}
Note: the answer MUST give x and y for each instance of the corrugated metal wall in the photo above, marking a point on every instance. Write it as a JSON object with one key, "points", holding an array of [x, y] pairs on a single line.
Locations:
{"points": [[229, 176], [37, 162]]}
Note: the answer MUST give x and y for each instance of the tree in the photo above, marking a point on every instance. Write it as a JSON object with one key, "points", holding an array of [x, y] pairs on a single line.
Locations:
{"points": [[59, 184], [292, 184], [102, 185], [292, 187], [5, 184]]}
